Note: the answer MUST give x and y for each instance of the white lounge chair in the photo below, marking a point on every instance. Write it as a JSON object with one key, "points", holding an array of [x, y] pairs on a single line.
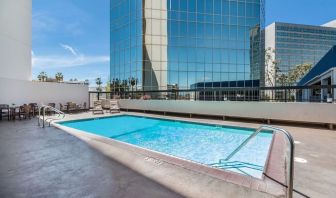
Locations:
{"points": [[97, 107], [114, 106]]}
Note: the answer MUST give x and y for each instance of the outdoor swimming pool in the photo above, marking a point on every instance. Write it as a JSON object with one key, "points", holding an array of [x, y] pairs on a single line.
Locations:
{"points": [[201, 143]]}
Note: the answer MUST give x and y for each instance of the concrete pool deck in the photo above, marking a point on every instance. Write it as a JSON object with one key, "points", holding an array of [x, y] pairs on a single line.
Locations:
{"points": [[36, 162], [314, 178]]}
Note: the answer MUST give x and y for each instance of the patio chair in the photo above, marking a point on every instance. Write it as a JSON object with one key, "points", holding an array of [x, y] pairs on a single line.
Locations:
{"points": [[63, 108], [24, 111], [4, 110], [84, 107], [72, 107], [114, 107], [33, 109], [97, 107], [49, 111]]}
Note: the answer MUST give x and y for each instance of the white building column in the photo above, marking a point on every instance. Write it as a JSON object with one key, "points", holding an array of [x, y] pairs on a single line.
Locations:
{"points": [[155, 44], [15, 39]]}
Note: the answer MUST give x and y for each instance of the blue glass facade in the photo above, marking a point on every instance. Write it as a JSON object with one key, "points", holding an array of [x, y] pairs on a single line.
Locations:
{"points": [[299, 44], [126, 41], [187, 42]]}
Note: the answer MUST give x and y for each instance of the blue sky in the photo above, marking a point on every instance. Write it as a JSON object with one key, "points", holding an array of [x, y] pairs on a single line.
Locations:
{"points": [[72, 36], [312, 12]]}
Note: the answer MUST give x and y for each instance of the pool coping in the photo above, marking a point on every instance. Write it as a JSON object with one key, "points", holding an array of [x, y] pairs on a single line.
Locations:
{"points": [[181, 121], [265, 185]]}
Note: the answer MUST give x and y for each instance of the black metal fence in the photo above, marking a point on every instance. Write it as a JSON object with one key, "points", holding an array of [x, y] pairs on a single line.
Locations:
{"points": [[316, 93]]}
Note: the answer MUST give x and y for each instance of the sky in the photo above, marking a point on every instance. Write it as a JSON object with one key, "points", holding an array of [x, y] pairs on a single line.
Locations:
{"points": [[311, 12], [72, 36]]}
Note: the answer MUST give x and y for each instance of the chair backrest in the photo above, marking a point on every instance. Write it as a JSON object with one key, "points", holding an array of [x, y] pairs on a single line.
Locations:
{"points": [[52, 104], [72, 105], [97, 103], [26, 108], [105, 103], [4, 106], [114, 104]]}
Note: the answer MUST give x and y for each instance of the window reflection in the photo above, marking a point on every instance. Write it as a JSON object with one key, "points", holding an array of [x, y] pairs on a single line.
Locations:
{"points": [[186, 42]]}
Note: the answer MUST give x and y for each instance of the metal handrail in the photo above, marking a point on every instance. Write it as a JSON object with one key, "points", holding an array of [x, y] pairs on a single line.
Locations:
{"points": [[44, 107], [291, 160]]}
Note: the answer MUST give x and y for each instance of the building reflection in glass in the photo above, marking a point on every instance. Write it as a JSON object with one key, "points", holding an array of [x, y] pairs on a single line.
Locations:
{"points": [[187, 43]]}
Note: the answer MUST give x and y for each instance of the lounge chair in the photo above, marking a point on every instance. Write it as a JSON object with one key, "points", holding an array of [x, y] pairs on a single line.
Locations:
{"points": [[105, 104], [97, 107], [114, 107], [4, 110]]}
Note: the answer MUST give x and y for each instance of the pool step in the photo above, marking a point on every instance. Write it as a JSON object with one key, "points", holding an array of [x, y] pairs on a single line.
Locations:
{"points": [[236, 165]]}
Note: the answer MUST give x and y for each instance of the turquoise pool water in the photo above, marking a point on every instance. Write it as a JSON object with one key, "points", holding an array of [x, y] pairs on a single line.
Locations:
{"points": [[206, 144]]}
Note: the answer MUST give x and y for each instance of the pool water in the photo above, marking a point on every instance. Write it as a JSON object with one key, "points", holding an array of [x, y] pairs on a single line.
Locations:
{"points": [[205, 144]]}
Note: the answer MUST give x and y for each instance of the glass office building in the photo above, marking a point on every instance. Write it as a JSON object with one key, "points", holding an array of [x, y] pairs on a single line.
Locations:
{"points": [[297, 44], [184, 43]]}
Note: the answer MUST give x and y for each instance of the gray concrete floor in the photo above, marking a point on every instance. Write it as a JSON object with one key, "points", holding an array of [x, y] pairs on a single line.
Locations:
{"points": [[36, 162], [50, 163]]}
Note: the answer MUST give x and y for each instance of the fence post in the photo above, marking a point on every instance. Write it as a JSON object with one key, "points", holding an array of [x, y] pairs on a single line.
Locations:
{"points": [[285, 95]]}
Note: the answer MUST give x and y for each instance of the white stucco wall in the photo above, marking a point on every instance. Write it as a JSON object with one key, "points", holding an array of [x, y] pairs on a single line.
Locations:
{"points": [[15, 39], [23, 92], [300, 112]]}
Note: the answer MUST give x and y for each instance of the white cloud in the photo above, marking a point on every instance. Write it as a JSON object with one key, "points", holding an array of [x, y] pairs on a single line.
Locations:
{"points": [[50, 62], [69, 48], [62, 61]]}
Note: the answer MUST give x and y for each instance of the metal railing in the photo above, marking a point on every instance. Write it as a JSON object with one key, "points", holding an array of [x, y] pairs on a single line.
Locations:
{"points": [[60, 115], [291, 157], [316, 93]]}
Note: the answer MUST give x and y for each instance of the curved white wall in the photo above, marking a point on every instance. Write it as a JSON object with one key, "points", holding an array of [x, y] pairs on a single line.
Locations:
{"points": [[15, 39]]}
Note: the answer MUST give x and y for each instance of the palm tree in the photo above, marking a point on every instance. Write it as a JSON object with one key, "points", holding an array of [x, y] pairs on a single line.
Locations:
{"points": [[117, 84], [42, 76], [59, 77], [99, 83], [132, 81], [87, 82], [124, 85]]}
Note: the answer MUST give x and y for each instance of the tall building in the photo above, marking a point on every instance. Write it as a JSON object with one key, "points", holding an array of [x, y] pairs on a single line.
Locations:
{"points": [[186, 42], [296, 44]]}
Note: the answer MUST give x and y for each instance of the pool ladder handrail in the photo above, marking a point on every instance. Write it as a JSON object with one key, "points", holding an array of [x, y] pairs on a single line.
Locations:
{"points": [[291, 160], [44, 107]]}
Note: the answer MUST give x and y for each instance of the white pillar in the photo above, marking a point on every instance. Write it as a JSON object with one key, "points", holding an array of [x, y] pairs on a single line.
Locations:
{"points": [[15, 39]]}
